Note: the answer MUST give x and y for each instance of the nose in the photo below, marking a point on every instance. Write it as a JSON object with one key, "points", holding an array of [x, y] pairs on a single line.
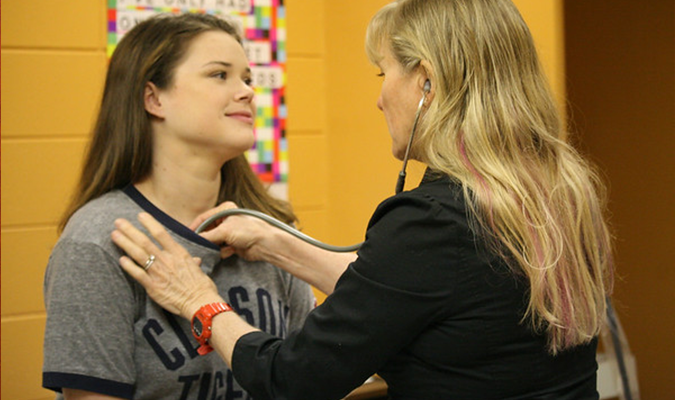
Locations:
{"points": [[246, 93], [379, 103]]}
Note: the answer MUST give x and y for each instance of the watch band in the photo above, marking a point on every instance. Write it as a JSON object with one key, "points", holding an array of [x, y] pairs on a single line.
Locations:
{"points": [[201, 324]]}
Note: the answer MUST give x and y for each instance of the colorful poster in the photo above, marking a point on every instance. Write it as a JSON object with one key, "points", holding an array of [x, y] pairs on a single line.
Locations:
{"points": [[263, 24]]}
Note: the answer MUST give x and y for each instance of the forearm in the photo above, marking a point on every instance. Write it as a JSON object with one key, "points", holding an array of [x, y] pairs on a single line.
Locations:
{"points": [[320, 268], [227, 328]]}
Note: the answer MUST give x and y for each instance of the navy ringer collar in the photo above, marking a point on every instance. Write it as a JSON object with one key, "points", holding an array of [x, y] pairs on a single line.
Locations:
{"points": [[165, 219]]}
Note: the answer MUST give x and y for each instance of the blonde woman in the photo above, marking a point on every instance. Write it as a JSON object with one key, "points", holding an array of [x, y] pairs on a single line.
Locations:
{"points": [[488, 281], [175, 120]]}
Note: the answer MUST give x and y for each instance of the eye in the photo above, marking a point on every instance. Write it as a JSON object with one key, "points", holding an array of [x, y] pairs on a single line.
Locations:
{"points": [[248, 80], [220, 75], [381, 74]]}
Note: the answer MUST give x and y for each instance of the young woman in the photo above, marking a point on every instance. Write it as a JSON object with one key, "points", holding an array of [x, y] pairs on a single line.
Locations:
{"points": [[488, 281], [176, 117]]}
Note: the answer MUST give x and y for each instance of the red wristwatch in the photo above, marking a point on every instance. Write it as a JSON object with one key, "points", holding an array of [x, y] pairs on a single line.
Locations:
{"points": [[201, 324]]}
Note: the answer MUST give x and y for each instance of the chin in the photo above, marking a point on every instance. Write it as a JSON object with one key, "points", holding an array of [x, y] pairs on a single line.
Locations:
{"points": [[244, 141], [250, 143]]}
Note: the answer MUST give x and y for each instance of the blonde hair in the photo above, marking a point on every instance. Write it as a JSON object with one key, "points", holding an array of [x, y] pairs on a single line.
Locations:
{"points": [[493, 126], [120, 152]]}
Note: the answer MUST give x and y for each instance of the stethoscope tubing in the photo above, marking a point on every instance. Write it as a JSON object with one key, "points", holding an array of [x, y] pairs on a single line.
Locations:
{"points": [[275, 222]]}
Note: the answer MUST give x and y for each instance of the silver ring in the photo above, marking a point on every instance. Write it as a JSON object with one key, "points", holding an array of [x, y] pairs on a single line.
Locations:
{"points": [[148, 263]]}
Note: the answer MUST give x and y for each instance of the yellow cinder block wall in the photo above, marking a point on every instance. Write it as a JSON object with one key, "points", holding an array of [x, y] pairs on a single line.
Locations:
{"points": [[53, 65], [53, 68]]}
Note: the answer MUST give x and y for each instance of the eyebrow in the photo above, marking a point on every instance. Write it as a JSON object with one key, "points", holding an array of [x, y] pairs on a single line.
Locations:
{"points": [[225, 64]]}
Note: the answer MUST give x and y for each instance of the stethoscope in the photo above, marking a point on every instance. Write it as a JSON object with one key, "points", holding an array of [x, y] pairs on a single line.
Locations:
{"points": [[287, 228]]}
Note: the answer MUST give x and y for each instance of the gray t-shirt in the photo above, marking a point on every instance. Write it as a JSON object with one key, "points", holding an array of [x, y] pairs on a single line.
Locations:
{"points": [[105, 335]]}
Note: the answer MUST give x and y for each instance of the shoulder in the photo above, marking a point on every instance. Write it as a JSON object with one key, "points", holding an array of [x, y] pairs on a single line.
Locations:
{"points": [[94, 221], [85, 256], [438, 202], [418, 240]]}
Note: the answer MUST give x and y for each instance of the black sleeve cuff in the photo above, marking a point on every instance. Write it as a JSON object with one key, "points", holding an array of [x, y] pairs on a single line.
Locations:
{"points": [[251, 363], [58, 380]]}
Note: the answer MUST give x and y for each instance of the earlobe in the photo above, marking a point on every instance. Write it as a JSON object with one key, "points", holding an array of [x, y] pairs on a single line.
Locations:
{"points": [[152, 102]]}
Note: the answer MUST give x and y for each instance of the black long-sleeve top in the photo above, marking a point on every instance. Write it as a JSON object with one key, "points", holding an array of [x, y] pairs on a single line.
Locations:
{"points": [[427, 308]]}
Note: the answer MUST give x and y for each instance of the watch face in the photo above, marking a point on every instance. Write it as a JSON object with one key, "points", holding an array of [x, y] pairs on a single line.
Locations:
{"points": [[197, 327]]}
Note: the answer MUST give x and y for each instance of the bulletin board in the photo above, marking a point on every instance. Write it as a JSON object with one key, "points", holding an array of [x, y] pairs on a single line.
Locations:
{"points": [[263, 24]]}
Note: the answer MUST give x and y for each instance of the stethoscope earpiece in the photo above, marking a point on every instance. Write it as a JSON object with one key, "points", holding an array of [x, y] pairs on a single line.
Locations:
{"points": [[401, 175]]}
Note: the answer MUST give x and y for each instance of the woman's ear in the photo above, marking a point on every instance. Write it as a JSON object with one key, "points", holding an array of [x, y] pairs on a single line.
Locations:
{"points": [[426, 80], [152, 102]]}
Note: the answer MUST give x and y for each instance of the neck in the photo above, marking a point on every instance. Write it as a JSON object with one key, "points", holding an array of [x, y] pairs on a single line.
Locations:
{"points": [[183, 189]]}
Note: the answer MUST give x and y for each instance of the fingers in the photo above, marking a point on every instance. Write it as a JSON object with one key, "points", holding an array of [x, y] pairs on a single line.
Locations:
{"points": [[134, 270], [173, 279], [121, 238], [214, 236], [160, 234], [139, 247], [134, 242], [226, 252], [208, 214]]}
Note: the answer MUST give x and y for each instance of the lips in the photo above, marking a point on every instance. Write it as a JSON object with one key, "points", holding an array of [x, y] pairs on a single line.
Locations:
{"points": [[243, 116]]}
